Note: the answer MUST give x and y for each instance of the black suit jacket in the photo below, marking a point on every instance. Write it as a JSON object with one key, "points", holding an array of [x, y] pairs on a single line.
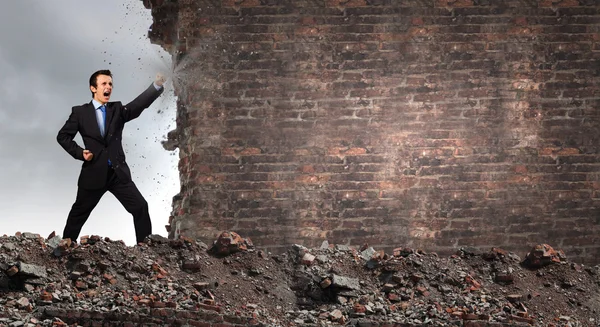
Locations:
{"points": [[83, 120]]}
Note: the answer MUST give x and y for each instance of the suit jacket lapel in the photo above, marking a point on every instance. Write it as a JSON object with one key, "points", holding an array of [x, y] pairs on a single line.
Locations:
{"points": [[110, 111], [93, 122]]}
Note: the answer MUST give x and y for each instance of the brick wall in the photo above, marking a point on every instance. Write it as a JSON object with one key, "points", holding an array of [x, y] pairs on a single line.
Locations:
{"points": [[424, 123]]}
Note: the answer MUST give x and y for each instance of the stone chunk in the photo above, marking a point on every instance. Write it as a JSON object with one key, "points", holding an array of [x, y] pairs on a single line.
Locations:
{"points": [[171, 143], [308, 259], [322, 258], [542, 255], [387, 288], [469, 251], [514, 298], [158, 239], [368, 253], [201, 286], [504, 278], [495, 254], [62, 247], [9, 246], [23, 302], [342, 247], [403, 252], [230, 242], [325, 283], [12, 271], [54, 242], [336, 315], [30, 236], [75, 275], [32, 270], [345, 282]]}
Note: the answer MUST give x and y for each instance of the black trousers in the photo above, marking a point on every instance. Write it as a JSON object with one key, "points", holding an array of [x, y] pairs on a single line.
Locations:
{"points": [[127, 193]]}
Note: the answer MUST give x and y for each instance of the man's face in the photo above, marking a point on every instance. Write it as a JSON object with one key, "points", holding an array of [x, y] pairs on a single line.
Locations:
{"points": [[103, 88]]}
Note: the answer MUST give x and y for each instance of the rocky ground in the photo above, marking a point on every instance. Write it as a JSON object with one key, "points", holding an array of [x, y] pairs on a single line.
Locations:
{"points": [[333, 285]]}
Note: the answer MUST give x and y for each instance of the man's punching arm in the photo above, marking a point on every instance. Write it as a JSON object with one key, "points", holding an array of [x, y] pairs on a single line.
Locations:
{"points": [[134, 109], [67, 134]]}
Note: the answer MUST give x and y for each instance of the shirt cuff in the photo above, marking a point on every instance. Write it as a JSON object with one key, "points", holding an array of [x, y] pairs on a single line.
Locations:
{"points": [[157, 87]]}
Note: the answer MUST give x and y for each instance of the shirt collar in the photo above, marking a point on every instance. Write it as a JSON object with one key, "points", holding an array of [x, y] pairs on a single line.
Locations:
{"points": [[97, 104]]}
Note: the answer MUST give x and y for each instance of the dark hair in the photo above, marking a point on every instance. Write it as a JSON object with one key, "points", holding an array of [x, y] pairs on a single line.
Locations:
{"points": [[94, 77]]}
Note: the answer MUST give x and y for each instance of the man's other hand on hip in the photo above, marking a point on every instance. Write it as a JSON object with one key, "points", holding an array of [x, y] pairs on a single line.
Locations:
{"points": [[87, 155]]}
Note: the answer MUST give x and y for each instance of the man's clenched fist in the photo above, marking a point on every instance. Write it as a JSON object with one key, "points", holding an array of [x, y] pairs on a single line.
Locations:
{"points": [[87, 155], [160, 79]]}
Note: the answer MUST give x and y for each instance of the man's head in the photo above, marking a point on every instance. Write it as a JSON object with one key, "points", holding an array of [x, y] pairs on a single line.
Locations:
{"points": [[101, 85]]}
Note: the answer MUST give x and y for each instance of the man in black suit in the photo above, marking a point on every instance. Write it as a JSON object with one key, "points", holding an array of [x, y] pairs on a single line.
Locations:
{"points": [[100, 124]]}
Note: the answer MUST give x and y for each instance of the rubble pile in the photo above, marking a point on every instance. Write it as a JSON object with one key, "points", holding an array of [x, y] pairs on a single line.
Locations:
{"points": [[162, 282]]}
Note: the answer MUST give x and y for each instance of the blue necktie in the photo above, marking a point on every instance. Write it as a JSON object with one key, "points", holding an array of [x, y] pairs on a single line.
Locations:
{"points": [[103, 122], [103, 127]]}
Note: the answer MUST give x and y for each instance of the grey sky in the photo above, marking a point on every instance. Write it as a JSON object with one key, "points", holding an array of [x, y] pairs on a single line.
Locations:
{"points": [[48, 51]]}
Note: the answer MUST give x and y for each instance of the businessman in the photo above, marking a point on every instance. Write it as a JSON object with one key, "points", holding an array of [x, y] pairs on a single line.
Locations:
{"points": [[100, 123]]}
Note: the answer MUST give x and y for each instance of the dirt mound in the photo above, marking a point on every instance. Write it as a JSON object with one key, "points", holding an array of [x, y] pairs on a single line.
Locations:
{"points": [[49, 282]]}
